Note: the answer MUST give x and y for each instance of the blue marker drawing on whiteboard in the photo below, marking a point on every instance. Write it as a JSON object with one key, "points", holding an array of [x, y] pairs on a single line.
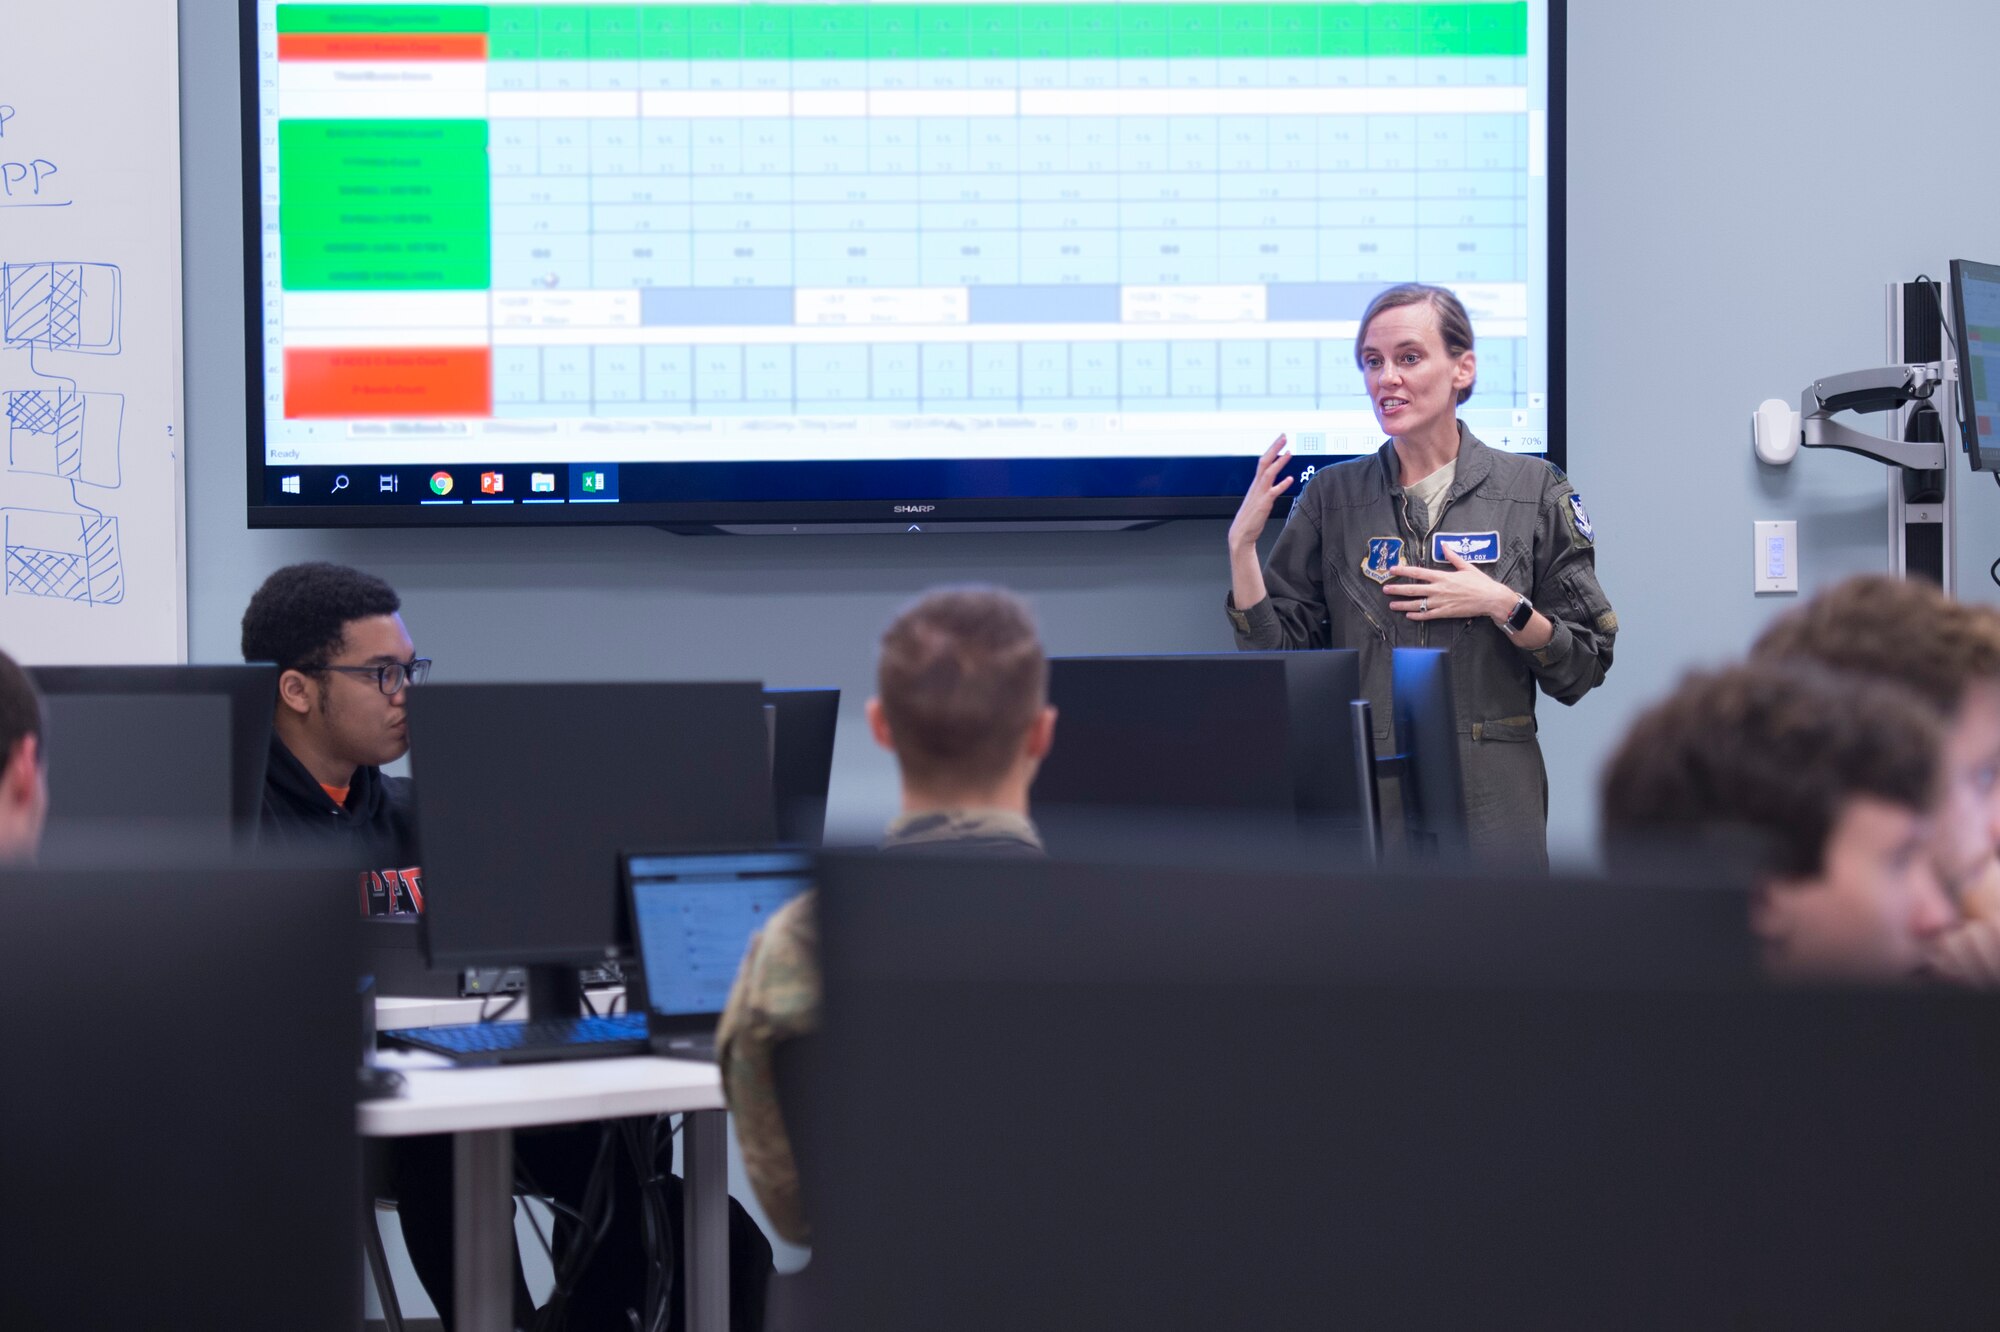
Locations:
{"points": [[59, 430], [72, 307], [63, 433], [63, 556]]}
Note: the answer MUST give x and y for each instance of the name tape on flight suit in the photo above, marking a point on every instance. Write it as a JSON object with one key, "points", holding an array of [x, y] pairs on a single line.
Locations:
{"points": [[1472, 547]]}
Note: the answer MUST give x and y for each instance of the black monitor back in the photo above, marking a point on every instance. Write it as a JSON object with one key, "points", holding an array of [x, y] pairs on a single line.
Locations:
{"points": [[1189, 1100], [180, 1136], [1433, 781], [526, 794], [1248, 733], [162, 745], [802, 760]]}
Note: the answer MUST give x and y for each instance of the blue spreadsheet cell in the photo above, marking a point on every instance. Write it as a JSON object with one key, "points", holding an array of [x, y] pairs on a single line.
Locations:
{"points": [[1167, 186], [766, 148], [1173, 215], [716, 75], [1297, 185], [746, 259], [517, 374], [740, 217], [1339, 376], [961, 216], [1142, 370], [1045, 370], [970, 259], [614, 219], [1057, 257], [1093, 371], [718, 374], [893, 372], [566, 375], [540, 219], [832, 373], [1168, 258], [514, 150], [614, 147], [1193, 370], [872, 255], [1069, 187], [1090, 213], [615, 374], [666, 147], [564, 147], [716, 306], [996, 371], [549, 263], [946, 369], [740, 190], [540, 190], [664, 75], [1269, 257], [668, 375], [1295, 301], [767, 376], [1243, 370], [1293, 367], [1469, 185]]}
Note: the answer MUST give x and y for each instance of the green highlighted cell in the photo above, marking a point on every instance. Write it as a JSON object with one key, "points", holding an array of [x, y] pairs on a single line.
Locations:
{"points": [[387, 18], [385, 205], [1084, 31]]}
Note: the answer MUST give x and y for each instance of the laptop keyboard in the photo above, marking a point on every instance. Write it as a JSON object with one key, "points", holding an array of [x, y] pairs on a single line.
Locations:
{"points": [[525, 1042]]}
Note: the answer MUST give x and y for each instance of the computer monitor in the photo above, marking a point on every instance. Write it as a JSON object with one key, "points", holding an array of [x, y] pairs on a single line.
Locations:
{"points": [[528, 793], [692, 914], [804, 722], [1246, 733], [1432, 776], [1975, 328], [1482, 1103], [207, 736], [180, 1132]]}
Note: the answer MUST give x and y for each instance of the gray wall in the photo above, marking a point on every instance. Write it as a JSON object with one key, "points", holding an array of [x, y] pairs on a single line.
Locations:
{"points": [[1735, 208]]}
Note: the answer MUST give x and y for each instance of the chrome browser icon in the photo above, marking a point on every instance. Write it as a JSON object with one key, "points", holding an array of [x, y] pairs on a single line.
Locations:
{"points": [[440, 483]]}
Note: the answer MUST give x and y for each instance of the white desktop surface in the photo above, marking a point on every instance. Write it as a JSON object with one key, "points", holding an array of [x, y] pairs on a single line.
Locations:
{"points": [[569, 1091], [394, 1011]]}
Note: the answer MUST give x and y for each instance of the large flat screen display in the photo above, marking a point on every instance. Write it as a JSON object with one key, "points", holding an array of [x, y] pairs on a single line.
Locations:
{"points": [[871, 262]]}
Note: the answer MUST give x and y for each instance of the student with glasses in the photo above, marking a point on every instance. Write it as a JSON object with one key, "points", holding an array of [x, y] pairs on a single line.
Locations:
{"points": [[347, 666]]}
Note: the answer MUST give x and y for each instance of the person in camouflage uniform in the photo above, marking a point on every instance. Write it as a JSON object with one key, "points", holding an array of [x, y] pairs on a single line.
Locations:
{"points": [[962, 702]]}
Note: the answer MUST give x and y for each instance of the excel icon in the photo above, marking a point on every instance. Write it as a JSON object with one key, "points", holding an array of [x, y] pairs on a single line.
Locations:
{"points": [[593, 483]]}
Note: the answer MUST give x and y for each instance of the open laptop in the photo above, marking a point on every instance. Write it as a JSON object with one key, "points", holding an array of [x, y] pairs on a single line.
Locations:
{"points": [[692, 914]]}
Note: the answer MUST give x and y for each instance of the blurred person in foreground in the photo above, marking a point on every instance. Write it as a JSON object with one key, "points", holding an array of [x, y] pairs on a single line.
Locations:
{"points": [[1827, 784]]}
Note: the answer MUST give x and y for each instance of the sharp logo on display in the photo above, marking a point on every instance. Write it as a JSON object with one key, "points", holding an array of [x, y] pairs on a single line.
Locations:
{"points": [[916, 508]]}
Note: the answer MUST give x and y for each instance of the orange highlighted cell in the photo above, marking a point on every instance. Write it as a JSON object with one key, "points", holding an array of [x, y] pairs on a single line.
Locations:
{"points": [[382, 46], [388, 381]]}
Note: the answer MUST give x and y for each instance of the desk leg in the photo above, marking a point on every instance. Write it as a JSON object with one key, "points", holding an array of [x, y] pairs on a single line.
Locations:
{"points": [[705, 1219], [483, 1219]]}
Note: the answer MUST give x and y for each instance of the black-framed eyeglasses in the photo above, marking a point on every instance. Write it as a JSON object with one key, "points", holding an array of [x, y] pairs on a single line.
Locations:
{"points": [[390, 676]]}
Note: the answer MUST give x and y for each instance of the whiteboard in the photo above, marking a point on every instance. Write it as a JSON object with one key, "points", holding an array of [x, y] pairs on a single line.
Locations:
{"points": [[91, 504]]}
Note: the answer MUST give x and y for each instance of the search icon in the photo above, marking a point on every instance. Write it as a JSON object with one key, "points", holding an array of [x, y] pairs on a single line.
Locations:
{"points": [[340, 483]]}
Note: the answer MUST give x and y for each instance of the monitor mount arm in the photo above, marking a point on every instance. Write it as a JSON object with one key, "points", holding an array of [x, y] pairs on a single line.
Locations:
{"points": [[1881, 389]]}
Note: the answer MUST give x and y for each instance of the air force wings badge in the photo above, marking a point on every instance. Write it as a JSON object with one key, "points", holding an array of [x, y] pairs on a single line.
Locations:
{"points": [[1472, 547], [1384, 554]]}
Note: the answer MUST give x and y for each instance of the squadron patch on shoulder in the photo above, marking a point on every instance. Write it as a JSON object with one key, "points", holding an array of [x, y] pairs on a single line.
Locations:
{"points": [[1384, 554], [1580, 518]]}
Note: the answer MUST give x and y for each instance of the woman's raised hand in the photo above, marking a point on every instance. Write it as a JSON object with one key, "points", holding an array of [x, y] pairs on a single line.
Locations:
{"points": [[1265, 487]]}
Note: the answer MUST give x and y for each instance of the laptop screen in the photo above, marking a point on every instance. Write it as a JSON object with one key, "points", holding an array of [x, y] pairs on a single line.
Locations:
{"points": [[693, 915]]}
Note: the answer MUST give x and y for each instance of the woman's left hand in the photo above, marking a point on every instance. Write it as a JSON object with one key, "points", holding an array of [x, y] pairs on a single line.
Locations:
{"points": [[1462, 592]]}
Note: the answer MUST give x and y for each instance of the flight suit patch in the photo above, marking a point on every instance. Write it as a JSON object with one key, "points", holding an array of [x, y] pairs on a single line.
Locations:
{"points": [[1472, 547], [1384, 554], [1580, 519]]}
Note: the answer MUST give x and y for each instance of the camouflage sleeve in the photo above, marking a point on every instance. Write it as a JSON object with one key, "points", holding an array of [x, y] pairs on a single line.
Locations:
{"points": [[1574, 661], [775, 998]]}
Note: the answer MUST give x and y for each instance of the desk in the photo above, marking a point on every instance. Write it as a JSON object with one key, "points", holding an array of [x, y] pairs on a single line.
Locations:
{"points": [[481, 1108]]}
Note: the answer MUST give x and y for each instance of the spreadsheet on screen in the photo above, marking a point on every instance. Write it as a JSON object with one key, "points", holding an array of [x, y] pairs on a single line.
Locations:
{"points": [[718, 231]]}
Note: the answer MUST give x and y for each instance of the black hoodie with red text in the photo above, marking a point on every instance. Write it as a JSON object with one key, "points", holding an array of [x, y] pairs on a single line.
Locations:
{"points": [[376, 829]]}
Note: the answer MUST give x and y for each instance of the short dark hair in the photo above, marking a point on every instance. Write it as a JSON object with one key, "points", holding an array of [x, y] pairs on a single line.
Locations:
{"points": [[1900, 629], [299, 617], [962, 677], [20, 708], [1454, 324], [1768, 754]]}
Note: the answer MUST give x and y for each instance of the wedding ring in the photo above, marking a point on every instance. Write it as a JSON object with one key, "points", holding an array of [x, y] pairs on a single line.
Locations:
{"points": [[1424, 606]]}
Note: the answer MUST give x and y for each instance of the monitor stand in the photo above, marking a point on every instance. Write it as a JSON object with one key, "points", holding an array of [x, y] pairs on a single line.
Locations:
{"points": [[554, 991]]}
